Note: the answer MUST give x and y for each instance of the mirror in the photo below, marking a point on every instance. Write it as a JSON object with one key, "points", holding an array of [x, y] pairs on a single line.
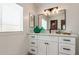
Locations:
{"points": [[53, 22], [42, 21], [31, 20]]}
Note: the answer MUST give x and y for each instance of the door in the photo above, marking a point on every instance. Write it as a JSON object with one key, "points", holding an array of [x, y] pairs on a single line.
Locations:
{"points": [[52, 48], [41, 47]]}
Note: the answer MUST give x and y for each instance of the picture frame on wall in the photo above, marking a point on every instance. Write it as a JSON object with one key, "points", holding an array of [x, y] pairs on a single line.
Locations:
{"points": [[53, 24]]}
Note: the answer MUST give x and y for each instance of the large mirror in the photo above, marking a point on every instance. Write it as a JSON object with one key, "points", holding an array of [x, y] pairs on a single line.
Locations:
{"points": [[54, 21]]}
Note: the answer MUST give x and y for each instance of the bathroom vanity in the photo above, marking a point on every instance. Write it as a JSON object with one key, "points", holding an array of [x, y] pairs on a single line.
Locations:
{"points": [[55, 43], [52, 44]]}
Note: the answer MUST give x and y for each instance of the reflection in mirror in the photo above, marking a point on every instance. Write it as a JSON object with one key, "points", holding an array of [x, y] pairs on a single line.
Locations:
{"points": [[53, 24], [54, 21], [42, 22], [31, 20], [61, 19]]}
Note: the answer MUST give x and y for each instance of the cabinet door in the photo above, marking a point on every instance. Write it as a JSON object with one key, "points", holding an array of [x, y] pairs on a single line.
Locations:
{"points": [[41, 47], [52, 48]]}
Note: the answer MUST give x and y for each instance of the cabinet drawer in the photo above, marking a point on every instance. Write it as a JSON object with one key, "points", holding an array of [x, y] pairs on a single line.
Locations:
{"points": [[67, 49], [68, 40], [32, 36], [33, 42], [33, 50], [43, 37]]}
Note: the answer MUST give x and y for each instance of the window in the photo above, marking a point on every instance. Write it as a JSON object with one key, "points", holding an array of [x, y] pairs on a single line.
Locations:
{"points": [[11, 18]]}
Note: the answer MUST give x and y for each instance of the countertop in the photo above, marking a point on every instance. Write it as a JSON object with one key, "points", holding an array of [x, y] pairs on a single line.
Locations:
{"points": [[53, 34]]}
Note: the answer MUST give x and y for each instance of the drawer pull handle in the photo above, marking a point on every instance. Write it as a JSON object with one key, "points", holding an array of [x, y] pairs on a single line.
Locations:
{"points": [[66, 40], [47, 43], [33, 36], [32, 50], [66, 49], [32, 42]]}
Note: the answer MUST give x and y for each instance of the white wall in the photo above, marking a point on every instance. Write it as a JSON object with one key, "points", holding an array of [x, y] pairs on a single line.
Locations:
{"points": [[16, 42], [72, 14]]}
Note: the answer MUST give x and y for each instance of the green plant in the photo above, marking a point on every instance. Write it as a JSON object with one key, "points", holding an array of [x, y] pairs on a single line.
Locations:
{"points": [[37, 29]]}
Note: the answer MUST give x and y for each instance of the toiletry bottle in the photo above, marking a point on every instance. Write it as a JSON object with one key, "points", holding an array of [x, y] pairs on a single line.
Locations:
{"points": [[49, 30]]}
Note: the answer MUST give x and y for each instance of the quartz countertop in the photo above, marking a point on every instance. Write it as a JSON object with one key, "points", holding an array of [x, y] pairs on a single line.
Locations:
{"points": [[53, 34]]}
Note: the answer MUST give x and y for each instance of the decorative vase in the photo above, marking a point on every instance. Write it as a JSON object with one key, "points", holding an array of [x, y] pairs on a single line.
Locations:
{"points": [[37, 29]]}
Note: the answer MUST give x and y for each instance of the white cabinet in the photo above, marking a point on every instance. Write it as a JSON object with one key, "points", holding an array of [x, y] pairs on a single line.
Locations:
{"points": [[41, 47], [67, 40], [32, 42], [67, 49], [52, 48], [52, 45], [33, 50], [67, 45], [47, 47]]}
